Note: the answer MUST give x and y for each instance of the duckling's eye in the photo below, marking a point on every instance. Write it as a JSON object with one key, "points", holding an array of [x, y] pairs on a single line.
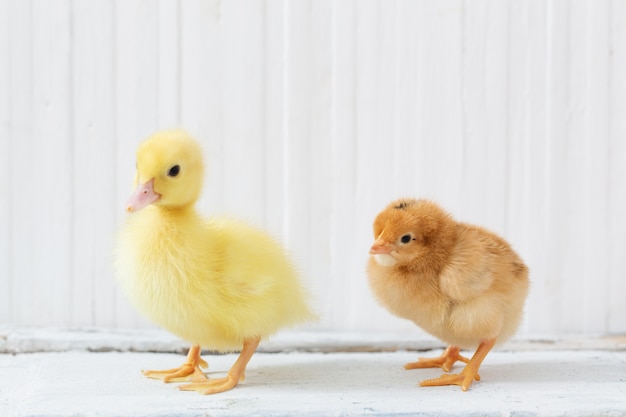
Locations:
{"points": [[405, 239], [174, 171]]}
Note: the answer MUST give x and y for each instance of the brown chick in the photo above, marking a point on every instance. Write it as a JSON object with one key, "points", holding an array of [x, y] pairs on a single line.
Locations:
{"points": [[459, 282]]}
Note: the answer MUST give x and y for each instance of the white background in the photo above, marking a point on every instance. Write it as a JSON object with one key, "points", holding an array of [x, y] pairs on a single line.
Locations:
{"points": [[314, 115]]}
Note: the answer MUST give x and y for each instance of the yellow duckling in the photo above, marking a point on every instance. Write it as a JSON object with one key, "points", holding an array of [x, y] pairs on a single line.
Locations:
{"points": [[217, 283]]}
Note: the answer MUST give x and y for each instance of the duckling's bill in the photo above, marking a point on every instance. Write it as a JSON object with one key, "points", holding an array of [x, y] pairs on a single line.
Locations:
{"points": [[143, 196]]}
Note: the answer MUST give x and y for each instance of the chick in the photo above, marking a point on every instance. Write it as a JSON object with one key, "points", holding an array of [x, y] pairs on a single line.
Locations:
{"points": [[216, 283], [459, 282]]}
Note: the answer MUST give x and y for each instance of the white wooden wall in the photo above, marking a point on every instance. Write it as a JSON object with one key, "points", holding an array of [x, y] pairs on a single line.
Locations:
{"points": [[315, 114]]}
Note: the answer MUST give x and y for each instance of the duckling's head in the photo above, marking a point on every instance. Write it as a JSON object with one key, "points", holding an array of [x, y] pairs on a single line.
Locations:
{"points": [[169, 171]]}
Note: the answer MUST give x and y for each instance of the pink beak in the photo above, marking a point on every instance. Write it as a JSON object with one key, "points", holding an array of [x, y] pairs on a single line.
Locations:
{"points": [[143, 196], [380, 247]]}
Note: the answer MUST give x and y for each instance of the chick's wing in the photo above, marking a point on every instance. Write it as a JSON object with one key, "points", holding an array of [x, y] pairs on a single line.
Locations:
{"points": [[469, 272]]}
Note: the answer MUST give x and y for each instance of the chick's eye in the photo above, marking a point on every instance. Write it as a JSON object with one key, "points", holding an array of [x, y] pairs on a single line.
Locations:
{"points": [[174, 171], [405, 239]]}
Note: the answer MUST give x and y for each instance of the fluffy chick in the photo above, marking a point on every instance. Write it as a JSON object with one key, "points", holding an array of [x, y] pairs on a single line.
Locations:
{"points": [[217, 283], [459, 282]]}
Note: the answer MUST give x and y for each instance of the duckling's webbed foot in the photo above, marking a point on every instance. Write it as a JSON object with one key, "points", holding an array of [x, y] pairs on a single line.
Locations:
{"points": [[236, 373], [189, 371]]}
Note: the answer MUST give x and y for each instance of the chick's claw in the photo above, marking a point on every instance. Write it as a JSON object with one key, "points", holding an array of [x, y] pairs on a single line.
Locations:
{"points": [[464, 379], [445, 361], [468, 374]]}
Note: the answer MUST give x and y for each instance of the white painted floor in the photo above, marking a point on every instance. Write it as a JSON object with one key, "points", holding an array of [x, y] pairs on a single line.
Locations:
{"points": [[543, 382]]}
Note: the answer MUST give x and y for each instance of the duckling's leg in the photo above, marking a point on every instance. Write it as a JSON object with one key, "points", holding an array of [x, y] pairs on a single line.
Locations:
{"points": [[445, 361], [236, 373], [468, 374], [189, 371]]}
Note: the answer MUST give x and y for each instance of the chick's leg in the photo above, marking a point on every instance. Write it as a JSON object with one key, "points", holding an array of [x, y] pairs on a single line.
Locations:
{"points": [[468, 374], [445, 361], [189, 371], [236, 373]]}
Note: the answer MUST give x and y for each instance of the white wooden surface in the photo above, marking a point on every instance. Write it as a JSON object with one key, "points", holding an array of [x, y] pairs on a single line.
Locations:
{"points": [[314, 114], [539, 383]]}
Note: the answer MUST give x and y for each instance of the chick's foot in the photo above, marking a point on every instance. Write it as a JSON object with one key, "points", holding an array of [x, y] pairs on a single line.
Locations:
{"points": [[189, 371], [445, 361], [236, 373], [468, 374], [464, 379]]}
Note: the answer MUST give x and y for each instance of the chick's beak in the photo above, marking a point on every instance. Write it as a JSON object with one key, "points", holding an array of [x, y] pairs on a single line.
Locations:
{"points": [[380, 247], [143, 196]]}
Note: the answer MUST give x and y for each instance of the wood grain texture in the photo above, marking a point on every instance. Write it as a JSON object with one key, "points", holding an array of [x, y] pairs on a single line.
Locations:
{"points": [[313, 116], [5, 169], [616, 186], [20, 137]]}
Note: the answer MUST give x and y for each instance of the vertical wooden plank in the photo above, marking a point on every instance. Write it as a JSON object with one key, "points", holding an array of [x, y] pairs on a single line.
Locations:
{"points": [[556, 191], [136, 116], [201, 90], [5, 172], [517, 116], [617, 165], [376, 144], [371, 180], [441, 143], [498, 178], [571, 159], [595, 181], [93, 131], [485, 107], [346, 261], [386, 60], [53, 156], [388, 72], [529, 155], [22, 205], [297, 129], [374, 147], [274, 116], [136, 89], [168, 64], [242, 103], [191, 37], [320, 151], [409, 39], [475, 110], [307, 140], [377, 155], [372, 184]]}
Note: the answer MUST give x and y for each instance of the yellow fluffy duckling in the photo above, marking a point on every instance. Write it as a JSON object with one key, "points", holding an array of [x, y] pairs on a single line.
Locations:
{"points": [[217, 283]]}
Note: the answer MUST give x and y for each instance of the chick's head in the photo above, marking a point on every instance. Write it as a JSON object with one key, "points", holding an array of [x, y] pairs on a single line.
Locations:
{"points": [[412, 233], [169, 171]]}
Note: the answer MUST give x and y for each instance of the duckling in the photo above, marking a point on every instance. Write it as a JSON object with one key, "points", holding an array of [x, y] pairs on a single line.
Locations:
{"points": [[215, 282]]}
